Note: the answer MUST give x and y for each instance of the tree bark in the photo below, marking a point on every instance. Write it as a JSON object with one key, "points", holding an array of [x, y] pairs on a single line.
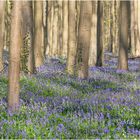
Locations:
{"points": [[60, 29], [84, 38], [135, 28], [65, 28], [124, 27], [14, 67], [49, 27], [71, 59], [38, 33], [2, 30], [45, 16], [28, 30], [55, 30], [100, 49], [93, 41]]}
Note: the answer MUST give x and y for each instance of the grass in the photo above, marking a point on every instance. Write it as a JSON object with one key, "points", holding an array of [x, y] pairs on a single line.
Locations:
{"points": [[67, 107]]}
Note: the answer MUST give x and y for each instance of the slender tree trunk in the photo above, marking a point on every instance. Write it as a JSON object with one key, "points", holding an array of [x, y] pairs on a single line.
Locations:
{"points": [[38, 33], [135, 28], [55, 30], [7, 24], [14, 67], [2, 30], [93, 46], [65, 29], [71, 60], [124, 27], [100, 49], [60, 29], [49, 28], [45, 16], [84, 38], [113, 27], [117, 9], [28, 31]]}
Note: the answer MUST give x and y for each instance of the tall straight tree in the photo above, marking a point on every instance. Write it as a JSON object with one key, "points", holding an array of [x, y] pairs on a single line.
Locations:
{"points": [[71, 59], [28, 31], [55, 29], [2, 29], [93, 41], [65, 28], [15, 45], [135, 27], [60, 32], [100, 49], [45, 16], [38, 33], [84, 38], [124, 28], [49, 28]]}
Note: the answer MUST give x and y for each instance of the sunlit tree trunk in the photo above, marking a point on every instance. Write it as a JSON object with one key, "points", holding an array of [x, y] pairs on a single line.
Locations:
{"points": [[14, 67], [112, 33], [55, 30], [71, 59], [28, 31], [135, 28], [59, 46], [45, 16], [123, 49], [116, 38], [100, 49], [93, 42], [84, 38], [49, 27], [2, 30], [65, 28], [38, 33]]}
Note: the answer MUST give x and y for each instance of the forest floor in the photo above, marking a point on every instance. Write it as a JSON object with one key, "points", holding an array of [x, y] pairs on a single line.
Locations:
{"points": [[56, 105]]}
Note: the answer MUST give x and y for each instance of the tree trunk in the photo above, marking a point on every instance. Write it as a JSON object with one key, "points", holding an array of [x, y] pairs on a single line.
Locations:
{"points": [[49, 27], [38, 33], [100, 49], [123, 49], [45, 16], [28, 34], [135, 28], [55, 30], [93, 46], [84, 38], [2, 30], [65, 29], [59, 47], [14, 67], [117, 9], [71, 59]]}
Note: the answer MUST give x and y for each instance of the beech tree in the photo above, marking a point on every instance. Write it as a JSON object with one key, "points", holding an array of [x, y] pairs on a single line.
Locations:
{"points": [[38, 33], [124, 28], [84, 38], [93, 41], [100, 49], [14, 61], [28, 34], [49, 28], [55, 29], [135, 28], [72, 47], [65, 28], [2, 30]]}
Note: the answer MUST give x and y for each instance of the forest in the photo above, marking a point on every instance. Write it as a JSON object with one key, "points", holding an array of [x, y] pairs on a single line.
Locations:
{"points": [[69, 69]]}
